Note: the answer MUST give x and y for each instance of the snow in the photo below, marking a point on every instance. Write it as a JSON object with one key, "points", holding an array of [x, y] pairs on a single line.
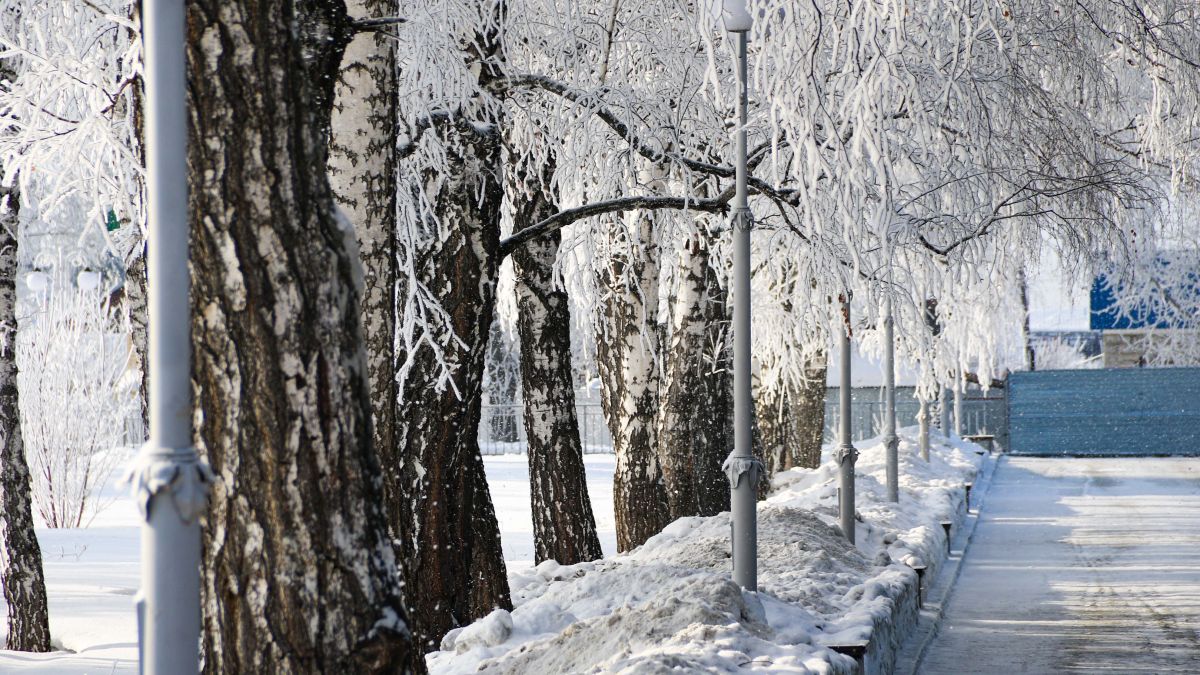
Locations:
{"points": [[91, 578], [670, 604], [667, 604]]}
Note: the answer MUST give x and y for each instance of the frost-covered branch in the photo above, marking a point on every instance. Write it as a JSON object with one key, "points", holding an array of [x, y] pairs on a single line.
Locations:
{"points": [[565, 217]]}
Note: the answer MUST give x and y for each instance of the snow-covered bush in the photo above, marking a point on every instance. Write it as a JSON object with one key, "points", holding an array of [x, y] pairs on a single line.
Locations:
{"points": [[1060, 354], [77, 393]]}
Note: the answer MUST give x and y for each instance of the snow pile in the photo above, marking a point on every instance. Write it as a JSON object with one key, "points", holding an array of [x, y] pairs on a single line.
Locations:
{"points": [[670, 604]]}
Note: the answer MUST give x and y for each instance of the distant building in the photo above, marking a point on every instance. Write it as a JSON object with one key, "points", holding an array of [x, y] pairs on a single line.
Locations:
{"points": [[1129, 336]]}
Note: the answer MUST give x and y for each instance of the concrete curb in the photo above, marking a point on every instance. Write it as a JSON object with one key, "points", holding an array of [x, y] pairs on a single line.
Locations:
{"points": [[908, 661]]}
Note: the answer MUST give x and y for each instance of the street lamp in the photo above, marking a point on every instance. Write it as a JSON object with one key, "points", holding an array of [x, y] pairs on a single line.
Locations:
{"points": [[743, 469], [846, 454], [170, 482], [890, 439]]}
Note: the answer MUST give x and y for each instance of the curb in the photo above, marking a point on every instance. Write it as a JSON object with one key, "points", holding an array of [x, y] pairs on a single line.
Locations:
{"points": [[908, 661]]}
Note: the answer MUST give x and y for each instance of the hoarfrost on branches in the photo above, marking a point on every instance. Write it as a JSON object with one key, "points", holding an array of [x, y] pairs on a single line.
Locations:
{"points": [[78, 392]]}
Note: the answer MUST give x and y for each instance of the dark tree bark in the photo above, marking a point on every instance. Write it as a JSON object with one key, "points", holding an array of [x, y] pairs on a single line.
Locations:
{"points": [[362, 173], [694, 432], [791, 420], [442, 511], [564, 528], [20, 554], [627, 342], [299, 573]]}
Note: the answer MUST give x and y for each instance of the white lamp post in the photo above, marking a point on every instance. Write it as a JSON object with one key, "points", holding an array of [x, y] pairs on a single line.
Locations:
{"points": [[846, 454], [890, 439], [741, 466], [170, 482]]}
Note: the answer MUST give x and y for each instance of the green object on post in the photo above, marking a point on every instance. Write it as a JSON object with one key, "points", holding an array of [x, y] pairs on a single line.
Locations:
{"points": [[112, 224]]}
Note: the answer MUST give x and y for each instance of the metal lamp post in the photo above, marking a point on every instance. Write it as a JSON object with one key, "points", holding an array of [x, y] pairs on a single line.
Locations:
{"points": [[846, 454], [890, 439], [923, 433], [958, 403], [944, 411], [170, 482], [741, 466]]}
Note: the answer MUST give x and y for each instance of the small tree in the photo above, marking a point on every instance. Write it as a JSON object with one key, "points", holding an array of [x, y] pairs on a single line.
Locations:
{"points": [[77, 394]]}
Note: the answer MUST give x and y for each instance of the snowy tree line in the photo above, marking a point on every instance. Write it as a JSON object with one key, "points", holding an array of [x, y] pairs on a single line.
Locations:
{"points": [[364, 172]]}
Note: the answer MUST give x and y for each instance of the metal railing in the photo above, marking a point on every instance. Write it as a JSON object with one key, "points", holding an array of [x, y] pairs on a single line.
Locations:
{"points": [[502, 429], [502, 426], [980, 416]]}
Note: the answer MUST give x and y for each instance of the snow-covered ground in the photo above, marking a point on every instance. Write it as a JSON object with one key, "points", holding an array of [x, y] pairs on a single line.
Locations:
{"points": [[92, 574], [91, 578], [669, 602]]}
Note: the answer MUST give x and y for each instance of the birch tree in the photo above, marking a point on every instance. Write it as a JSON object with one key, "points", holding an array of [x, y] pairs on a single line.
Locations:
{"points": [[564, 527], [20, 554], [298, 571]]}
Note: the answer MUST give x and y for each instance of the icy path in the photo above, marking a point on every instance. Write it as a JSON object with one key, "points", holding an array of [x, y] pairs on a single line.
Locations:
{"points": [[1079, 565]]}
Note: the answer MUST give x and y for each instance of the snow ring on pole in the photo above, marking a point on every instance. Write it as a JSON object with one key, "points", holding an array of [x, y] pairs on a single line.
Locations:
{"points": [[735, 466], [845, 452], [180, 473]]}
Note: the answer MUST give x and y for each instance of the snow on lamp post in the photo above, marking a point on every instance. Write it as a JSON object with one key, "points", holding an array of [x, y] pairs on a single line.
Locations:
{"points": [[890, 439], [170, 482], [846, 454], [741, 466]]}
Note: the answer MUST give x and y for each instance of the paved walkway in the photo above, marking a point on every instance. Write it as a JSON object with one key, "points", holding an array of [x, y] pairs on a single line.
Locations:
{"points": [[1079, 566]]}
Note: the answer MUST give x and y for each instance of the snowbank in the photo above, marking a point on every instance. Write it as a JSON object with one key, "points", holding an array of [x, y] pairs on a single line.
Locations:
{"points": [[670, 604]]}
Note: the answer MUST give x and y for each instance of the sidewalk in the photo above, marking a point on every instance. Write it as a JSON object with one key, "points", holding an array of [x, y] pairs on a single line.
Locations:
{"points": [[1079, 565]]}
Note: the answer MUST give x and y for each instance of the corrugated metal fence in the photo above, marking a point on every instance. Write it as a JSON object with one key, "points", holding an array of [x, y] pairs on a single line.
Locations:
{"points": [[1123, 411]]}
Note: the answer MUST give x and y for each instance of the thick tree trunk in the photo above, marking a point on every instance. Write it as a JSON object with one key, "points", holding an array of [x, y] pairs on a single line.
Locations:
{"points": [[694, 431], [362, 173], [447, 246], [792, 421], [564, 528], [20, 555], [298, 572], [627, 358], [437, 486]]}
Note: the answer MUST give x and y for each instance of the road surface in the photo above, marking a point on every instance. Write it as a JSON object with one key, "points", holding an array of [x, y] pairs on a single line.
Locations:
{"points": [[1079, 565]]}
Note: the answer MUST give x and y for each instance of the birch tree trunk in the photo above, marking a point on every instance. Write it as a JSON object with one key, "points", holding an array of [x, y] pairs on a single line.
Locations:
{"points": [[298, 573], [362, 173], [20, 554], [437, 489], [437, 486], [694, 431], [626, 357], [564, 528]]}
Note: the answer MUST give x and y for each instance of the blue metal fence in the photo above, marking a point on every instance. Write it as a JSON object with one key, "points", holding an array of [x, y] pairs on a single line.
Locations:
{"points": [[1127, 411]]}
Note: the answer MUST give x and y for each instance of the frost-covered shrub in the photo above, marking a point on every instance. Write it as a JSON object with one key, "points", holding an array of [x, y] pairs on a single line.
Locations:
{"points": [[77, 391]]}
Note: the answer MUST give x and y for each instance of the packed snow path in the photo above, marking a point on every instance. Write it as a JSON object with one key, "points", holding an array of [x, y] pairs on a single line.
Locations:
{"points": [[1079, 565]]}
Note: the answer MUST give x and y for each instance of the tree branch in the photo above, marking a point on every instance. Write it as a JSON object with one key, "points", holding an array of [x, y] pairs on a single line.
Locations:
{"points": [[719, 204], [375, 24], [592, 101]]}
